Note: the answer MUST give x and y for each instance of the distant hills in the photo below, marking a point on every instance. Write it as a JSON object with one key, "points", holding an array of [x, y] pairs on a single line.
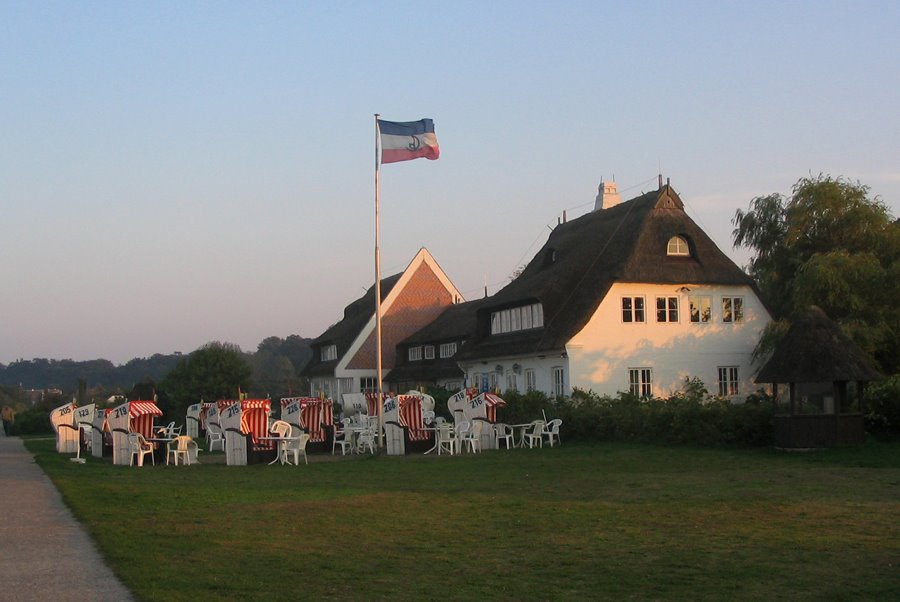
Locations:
{"points": [[41, 373]]}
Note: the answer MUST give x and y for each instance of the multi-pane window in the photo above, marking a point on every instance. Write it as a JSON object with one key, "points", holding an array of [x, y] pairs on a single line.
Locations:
{"points": [[517, 318], [678, 246], [492, 381], [559, 381], [448, 349], [632, 309], [732, 309], [415, 354], [667, 309], [530, 381], [511, 381], [429, 352], [640, 381], [368, 384], [701, 308], [328, 352], [728, 381]]}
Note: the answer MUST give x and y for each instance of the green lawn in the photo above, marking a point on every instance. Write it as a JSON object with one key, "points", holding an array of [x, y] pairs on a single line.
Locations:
{"points": [[604, 521]]}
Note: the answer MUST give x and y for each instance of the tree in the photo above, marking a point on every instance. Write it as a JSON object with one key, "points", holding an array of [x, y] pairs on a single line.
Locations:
{"points": [[273, 374], [214, 371], [830, 244]]}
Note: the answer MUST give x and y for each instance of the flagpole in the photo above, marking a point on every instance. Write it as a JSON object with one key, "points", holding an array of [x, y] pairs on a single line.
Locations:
{"points": [[378, 286]]}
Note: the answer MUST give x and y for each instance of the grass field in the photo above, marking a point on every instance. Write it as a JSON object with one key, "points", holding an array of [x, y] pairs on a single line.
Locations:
{"points": [[602, 521]]}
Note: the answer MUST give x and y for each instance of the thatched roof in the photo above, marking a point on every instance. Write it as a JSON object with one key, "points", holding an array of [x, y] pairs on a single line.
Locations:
{"points": [[815, 349], [582, 259], [343, 333]]}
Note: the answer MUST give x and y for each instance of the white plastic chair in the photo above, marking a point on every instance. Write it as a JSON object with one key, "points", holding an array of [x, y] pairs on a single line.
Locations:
{"points": [[167, 431], [346, 440], [469, 434], [138, 446], [504, 432], [295, 445], [214, 437], [182, 446], [447, 438], [282, 430], [365, 439], [536, 435], [552, 431]]}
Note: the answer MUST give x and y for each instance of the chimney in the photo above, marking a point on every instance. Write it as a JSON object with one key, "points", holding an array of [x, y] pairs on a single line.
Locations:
{"points": [[607, 196]]}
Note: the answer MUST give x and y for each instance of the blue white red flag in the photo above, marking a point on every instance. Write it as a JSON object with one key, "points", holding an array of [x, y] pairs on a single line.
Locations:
{"points": [[405, 140]]}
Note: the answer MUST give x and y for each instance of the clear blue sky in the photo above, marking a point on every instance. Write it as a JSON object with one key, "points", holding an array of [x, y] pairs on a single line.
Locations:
{"points": [[173, 173]]}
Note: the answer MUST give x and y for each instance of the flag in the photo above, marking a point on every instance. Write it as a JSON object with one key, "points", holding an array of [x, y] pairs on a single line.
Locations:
{"points": [[405, 140]]}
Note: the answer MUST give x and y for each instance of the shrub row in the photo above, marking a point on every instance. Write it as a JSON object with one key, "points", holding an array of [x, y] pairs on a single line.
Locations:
{"points": [[683, 418]]}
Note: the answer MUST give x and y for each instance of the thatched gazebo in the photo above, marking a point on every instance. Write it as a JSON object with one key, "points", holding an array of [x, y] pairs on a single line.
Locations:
{"points": [[818, 361]]}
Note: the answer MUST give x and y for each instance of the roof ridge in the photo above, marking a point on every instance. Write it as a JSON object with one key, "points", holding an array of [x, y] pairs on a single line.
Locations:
{"points": [[590, 268]]}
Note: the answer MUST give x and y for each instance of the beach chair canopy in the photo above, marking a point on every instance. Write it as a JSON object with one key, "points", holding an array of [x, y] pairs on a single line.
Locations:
{"points": [[250, 416], [85, 414], [409, 414], [315, 415], [142, 414], [372, 402], [64, 414]]}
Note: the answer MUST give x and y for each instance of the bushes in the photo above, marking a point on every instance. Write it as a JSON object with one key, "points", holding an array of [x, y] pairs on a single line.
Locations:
{"points": [[883, 401], [32, 422], [691, 416]]}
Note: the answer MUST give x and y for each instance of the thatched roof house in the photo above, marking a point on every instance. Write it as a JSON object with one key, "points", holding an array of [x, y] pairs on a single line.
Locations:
{"points": [[629, 297], [584, 257]]}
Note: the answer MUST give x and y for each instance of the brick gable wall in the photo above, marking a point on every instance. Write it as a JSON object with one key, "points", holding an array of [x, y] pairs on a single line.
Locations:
{"points": [[419, 303]]}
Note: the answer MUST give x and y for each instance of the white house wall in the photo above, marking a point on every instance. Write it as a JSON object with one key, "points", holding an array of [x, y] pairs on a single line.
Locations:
{"points": [[600, 356], [543, 366]]}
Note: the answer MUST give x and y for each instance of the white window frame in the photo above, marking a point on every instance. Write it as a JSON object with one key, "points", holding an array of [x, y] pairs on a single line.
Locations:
{"points": [[415, 354], [640, 381], [514, 319], [429, 352], [559, 380], [732, 310], [700, 307], [530, 380], [368, 384], [448, 349], [328, 353], [678, 247], [669, 313], [511, 384], [633, 313], [729, 381]]}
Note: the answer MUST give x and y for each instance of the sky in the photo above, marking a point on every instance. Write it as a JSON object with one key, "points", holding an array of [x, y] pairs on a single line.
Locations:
{"points": [[176, 173]]}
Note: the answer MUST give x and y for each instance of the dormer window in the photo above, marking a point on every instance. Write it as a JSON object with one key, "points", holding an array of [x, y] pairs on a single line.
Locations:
{"points": [[525, 317], [678, 247], [328, 353]]}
